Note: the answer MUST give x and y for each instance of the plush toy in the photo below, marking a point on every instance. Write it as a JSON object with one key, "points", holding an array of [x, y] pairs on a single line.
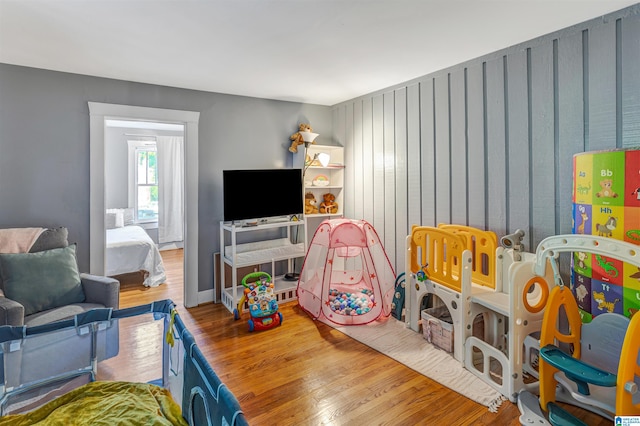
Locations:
{"points": [[328, 205], [296, 138], [310, 204]]}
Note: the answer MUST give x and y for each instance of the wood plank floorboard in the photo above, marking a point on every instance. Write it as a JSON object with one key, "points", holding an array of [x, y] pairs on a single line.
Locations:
{"points": [[307, 373]]}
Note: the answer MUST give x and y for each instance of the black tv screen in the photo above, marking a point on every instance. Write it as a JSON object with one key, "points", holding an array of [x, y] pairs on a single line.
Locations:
{"points": [[256, 194]]}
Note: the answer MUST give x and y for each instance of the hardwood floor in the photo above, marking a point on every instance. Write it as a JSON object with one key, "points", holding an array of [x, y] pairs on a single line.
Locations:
{"points": [[307, 373]]}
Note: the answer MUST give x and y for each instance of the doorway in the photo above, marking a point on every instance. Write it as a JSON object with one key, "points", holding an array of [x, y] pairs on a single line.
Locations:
{"points": [[144, 170], [100, 112]]}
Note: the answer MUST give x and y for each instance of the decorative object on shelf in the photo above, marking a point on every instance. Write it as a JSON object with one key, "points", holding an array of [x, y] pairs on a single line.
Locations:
{"points": [[327, 176], [321, 180], [320, 159], [308, 162], [298, 138], [323, 159], [310, 204], [328, 204]]}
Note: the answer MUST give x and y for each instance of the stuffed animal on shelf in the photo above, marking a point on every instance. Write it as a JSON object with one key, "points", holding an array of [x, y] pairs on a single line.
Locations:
{"points": [[296, 138], [328, 205], [310, 204]]}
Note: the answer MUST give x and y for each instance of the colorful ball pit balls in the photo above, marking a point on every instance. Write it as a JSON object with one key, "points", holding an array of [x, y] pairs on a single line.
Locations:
{"points": [[351, 304]]}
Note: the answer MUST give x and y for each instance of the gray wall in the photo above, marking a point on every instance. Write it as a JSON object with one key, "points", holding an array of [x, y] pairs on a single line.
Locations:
{"points": [[489, 142], [44, 147], [116, 173]]}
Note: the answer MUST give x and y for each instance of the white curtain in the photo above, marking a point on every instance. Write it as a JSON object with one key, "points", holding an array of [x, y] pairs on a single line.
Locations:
{"points": [[170, 185]]}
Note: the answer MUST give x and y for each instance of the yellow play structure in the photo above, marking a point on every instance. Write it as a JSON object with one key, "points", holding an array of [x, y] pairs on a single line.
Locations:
{"points": [[477, 279], [592, 365], [529, 318]]}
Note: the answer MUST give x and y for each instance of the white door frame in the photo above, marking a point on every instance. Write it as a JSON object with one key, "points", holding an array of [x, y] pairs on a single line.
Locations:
{"points": [[98, 112]]}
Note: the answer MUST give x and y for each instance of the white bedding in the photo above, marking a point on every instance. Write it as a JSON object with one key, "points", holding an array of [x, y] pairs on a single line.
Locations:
{"points": [[130, 249]]}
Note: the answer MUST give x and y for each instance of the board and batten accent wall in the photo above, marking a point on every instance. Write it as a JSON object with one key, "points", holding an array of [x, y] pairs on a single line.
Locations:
{"points": [[489, 143]]}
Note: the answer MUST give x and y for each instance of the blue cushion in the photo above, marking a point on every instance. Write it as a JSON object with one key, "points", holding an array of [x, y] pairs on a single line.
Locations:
{"points": [[43, 280]]}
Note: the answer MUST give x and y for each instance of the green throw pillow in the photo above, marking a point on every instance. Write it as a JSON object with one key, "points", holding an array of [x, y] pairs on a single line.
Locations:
{"points": [[43, 280]]}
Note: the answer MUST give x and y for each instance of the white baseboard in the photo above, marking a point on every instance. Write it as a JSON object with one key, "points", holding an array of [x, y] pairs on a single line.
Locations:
{"points": [[171, 246], [205, 296]]}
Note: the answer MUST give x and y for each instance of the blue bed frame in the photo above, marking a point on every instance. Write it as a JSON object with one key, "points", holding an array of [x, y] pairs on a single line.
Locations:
{"points": [[205, 400]]}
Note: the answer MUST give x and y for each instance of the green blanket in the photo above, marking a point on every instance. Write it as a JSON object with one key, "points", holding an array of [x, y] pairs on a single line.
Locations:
{"points": [[105, 403]]}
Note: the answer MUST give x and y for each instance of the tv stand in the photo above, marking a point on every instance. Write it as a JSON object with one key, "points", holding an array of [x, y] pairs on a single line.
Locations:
{"points": [[263, 252]]}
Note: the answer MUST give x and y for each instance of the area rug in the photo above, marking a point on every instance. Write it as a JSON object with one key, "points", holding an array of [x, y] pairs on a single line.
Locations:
{"points": [[392, 338]]}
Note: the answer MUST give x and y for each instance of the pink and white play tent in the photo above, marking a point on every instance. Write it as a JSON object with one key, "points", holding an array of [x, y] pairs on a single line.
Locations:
{"points": [[346, 276]]}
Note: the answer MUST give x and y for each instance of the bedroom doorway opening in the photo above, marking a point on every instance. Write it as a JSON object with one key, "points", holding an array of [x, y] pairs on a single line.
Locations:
{"points": [[99, 114], [144, 175]]}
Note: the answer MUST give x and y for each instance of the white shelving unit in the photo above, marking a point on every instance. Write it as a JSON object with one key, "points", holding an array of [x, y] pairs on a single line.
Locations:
{"points": [[315, 173], [268, 251]]}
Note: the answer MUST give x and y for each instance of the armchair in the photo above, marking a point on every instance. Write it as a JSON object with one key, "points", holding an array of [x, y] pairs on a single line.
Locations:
{"points": [[39, 284], [44, 285], [100, 292]]}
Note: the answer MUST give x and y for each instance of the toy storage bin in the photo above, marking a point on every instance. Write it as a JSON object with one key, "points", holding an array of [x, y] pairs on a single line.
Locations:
{"points": [[437, 327]]}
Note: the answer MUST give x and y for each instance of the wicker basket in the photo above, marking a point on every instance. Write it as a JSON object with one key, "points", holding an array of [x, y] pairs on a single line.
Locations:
{"points": [[437, 327]]}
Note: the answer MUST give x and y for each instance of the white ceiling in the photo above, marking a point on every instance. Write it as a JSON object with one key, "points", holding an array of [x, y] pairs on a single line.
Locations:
{"points": [[313, 51]]}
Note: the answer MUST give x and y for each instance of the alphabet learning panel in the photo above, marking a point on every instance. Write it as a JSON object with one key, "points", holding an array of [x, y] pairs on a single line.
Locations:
{"points": [[606, 202]]}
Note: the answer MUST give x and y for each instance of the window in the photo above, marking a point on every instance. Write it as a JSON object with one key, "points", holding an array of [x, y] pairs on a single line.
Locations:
{"points": [[146, 183]]}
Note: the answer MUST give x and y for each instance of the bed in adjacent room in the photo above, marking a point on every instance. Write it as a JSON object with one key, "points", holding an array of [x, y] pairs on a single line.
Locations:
{"points": [[131, 249]]}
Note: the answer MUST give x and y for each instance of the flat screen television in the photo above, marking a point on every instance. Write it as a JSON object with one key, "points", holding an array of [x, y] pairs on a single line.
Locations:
{"points": [[259, 194]]}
